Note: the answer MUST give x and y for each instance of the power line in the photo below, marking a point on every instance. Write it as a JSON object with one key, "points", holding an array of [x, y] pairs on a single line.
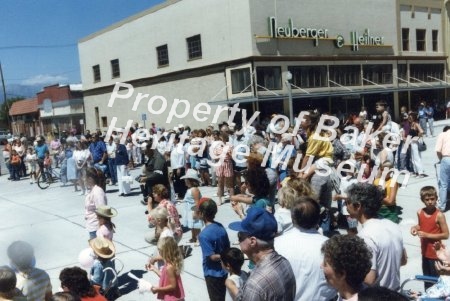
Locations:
{"points": [[37, 46]]}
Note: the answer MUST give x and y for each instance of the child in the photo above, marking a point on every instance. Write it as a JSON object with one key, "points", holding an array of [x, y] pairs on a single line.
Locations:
{"points": [[170, 284], [213, 241], [160, 216], [286, 197], [31, 160], [232, 261], [104, 250], [106, 226], [432, 228], [347, 181], [15, 165], [192, 198], [47, 162], [389, 207]]}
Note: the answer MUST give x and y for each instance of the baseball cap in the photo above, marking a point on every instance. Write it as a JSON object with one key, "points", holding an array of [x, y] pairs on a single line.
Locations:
{"points": [[258, 223]]}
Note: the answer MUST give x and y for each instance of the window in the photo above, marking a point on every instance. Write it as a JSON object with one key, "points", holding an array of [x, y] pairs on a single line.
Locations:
{"points": [[194, 46], [96, 72], [268, 78], [104, 121], [405, 39], [97, 118], [115, 68], [427, 72], [240, 80], [402, 72], [379, 74], [346, 75], [309, 76], [163, 55], [434, 39], [420, 39]]}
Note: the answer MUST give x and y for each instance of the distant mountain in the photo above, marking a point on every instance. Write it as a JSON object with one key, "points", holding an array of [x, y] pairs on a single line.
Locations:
{"points": [[17, 90]]}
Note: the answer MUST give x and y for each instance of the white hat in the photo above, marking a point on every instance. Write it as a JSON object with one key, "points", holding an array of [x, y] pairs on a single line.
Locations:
{"points": [[191, 174]]}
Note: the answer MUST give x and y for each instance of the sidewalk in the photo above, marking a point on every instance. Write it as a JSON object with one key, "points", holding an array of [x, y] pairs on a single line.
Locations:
{"points": [[52, 221]]}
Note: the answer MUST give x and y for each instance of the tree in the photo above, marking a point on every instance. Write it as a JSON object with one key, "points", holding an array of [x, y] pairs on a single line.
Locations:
{"points": [[5, 120]]}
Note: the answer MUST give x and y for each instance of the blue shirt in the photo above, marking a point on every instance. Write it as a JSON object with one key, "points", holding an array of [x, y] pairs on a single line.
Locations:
{"points": [[40, 150], [97, 150], [213, 240]]}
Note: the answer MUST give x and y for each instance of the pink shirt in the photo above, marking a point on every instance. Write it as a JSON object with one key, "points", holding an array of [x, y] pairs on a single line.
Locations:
{"points": [[94, 199], [103, 231], [177, 294], [443, 144]]}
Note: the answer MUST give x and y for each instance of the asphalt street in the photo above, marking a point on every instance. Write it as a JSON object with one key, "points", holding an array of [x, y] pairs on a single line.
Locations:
{"points": [[52, 220]]}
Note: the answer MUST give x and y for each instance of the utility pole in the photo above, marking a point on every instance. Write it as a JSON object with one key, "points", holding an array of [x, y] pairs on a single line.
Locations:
{"points": [[4, 97]]}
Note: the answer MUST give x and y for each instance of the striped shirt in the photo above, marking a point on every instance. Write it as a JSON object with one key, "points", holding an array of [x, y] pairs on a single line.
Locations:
{"points": [[34, 285]]}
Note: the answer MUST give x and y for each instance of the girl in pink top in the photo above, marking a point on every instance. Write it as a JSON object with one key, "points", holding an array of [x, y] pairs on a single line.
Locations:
{"points": [[95, 198], [170, 285], [107, 227]]}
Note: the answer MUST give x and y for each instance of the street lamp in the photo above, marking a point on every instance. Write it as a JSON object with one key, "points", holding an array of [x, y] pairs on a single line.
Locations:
{"points": [[288, 76]]}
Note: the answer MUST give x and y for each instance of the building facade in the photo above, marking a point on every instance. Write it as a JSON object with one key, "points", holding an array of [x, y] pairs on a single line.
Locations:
{"points": [[270, 56], [61, 108], [24, 116]]}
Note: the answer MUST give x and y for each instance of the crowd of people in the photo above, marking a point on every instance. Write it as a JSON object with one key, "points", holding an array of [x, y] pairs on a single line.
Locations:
{"points": [[274, 176]]}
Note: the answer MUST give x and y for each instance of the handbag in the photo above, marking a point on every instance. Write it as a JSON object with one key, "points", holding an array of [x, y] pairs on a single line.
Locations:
{"points": [[421, 145]]}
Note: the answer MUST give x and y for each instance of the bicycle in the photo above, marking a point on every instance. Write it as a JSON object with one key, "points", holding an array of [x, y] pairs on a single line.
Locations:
{"points": [[47, 178]]}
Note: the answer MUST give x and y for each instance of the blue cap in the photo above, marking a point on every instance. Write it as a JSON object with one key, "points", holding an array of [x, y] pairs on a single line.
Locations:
{"points": [[258, 223]]}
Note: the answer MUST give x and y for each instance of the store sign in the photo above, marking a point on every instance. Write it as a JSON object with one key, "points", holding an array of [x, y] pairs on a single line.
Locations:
{"points": [[316, 34]]}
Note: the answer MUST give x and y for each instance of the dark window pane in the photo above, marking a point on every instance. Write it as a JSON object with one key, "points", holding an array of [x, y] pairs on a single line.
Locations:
{"points": [[96, 72], [194, 45], [115, 68], [240, 80], [163, 55], [269, 78]]}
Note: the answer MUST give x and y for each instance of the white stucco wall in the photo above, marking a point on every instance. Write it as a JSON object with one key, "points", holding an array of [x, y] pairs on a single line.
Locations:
{"points": [[194, 90], [224, 27]]}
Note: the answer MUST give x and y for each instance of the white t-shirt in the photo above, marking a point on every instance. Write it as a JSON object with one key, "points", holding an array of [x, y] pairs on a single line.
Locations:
{"points": [[385, 240], [301, 248]]}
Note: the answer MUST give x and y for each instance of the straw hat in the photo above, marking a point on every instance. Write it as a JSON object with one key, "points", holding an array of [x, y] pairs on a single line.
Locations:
{"points": [[191, 174], [102, 247], [106, 211]]}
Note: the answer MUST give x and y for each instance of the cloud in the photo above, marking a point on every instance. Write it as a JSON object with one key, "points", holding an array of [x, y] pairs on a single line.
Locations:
{"points": [[43, 79]]}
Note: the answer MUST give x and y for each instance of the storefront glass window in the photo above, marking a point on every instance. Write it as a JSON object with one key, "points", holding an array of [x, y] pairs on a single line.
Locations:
{"points": [[269, 78], [240, 80], [345, 75], [379, 74], [309, 76]]}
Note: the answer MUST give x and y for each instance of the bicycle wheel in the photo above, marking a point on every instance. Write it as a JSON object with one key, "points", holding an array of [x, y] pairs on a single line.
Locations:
{"points": [[44, 180]]}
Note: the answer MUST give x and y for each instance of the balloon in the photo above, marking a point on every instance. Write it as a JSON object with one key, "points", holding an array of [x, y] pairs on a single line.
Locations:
{"points": [[86, 258]]}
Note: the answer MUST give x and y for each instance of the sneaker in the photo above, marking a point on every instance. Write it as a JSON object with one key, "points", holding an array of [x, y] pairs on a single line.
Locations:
{"points": [[31, 182], [82, 193]]}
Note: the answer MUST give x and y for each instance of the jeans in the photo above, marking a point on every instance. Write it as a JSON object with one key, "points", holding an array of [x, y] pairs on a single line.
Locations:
{"points": [[423, 125], [444, 178], [430, 125], [112, 170]]}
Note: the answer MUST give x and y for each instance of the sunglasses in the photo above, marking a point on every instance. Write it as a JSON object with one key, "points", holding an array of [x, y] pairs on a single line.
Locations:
{"points": [[243, 236]]}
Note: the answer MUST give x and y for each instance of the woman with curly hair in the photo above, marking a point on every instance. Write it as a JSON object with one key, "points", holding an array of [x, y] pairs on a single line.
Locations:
{"points": [[346, 262], [75, 280]]}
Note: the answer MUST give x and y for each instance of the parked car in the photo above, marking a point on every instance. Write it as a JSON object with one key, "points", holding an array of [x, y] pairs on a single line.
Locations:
{"points": [[4, 136]]}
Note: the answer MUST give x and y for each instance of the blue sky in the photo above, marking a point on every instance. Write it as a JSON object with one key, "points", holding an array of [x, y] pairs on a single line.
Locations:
{"points": [[51, 23]]}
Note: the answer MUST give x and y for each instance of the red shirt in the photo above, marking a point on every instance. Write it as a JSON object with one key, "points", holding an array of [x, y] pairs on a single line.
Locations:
{"points": [[428, 223]]}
